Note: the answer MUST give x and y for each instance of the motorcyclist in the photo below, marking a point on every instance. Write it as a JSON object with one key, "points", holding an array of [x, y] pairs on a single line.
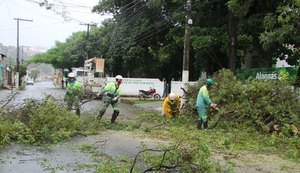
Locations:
{"points": [[113, 91], [74, 93], [203, 101], [171, 106]]}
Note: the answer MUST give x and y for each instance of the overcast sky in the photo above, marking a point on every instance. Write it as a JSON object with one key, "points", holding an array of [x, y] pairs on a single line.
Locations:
{"points": [[47, 26]]}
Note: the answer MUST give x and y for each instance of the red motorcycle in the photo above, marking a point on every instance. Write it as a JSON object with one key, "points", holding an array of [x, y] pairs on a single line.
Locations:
{"points": [[149, 94]]}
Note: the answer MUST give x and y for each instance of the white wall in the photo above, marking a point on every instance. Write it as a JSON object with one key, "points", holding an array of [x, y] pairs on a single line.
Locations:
{"points": [[176, 85], [131, 86]]}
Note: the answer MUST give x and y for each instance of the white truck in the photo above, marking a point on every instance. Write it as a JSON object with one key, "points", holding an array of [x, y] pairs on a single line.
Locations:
{"points": [[81, 74], [91, 76]]}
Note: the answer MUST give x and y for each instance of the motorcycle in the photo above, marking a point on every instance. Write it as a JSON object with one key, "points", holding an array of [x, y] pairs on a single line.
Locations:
{"points": [[149, 94]]}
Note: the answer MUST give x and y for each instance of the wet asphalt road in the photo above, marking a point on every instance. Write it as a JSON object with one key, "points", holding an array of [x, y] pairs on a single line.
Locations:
{"points": [[39, 90], [67, 157]]}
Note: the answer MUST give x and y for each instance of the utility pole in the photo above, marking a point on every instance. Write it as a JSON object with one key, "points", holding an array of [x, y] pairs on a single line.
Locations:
{"points": [[186, 50], [87, 38], [18, 48], [86, 49]]}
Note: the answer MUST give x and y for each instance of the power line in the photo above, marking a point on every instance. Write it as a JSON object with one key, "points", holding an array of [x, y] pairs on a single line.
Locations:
{"points": [[87, 37], [147, 35], [153, 33], [63, 13], [129, 16], [137, 16], [31, 10], [128, 24], [138, 13], [149, 32], [8, 12]]}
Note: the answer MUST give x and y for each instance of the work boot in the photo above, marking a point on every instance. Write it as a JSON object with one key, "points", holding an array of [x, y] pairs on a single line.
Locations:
{"points": [[199, 124], [114, 116], [101, 113], [78, 112], [205, 124]]}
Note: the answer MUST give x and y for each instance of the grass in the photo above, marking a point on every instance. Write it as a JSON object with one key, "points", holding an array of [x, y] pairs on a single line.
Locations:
{"points": [[183, 130], [234, 140]]}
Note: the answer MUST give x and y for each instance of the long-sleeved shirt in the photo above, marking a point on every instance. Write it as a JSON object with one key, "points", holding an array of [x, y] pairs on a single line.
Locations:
{"points": [[74, 88], [112, 89], [203, 99], [170, 108]]}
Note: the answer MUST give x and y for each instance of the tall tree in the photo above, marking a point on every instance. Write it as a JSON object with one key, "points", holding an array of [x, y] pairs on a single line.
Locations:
{"points": [[282, 29]]}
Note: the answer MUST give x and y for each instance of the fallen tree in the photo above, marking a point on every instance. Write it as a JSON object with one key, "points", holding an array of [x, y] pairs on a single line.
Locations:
{"points": [[267, 105]]}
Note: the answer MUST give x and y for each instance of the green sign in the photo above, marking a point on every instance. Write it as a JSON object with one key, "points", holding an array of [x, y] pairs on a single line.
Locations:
{"points": [[281, 73]]}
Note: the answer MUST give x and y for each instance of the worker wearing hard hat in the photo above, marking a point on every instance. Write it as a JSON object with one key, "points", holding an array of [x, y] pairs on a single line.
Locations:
{"points": [[203, 101], [113, 91], [74, 93], [171, 106]]}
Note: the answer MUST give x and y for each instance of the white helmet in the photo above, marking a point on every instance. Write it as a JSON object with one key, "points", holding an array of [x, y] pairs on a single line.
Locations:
{"points": [[119, 77], [71, 75], [172, 96]]}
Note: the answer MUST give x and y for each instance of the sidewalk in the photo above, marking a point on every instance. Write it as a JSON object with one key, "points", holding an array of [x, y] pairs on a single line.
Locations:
{"points": [[6, 95]]}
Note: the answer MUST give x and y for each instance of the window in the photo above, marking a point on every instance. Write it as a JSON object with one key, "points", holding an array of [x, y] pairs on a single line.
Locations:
{"points": [[80, 73]]}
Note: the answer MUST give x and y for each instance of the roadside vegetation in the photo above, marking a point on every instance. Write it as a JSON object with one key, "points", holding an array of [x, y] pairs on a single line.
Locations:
{"points": [[261, 105], [37, 123]]}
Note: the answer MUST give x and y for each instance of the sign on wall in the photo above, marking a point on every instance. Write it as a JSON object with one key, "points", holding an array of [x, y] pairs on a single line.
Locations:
{"points": [[131, 86], [282, 73]]}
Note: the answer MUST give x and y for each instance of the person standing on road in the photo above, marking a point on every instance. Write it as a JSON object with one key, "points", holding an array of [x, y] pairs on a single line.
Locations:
{"points": [[203, 101], [113, 91], [74, 93], [171, 106]]}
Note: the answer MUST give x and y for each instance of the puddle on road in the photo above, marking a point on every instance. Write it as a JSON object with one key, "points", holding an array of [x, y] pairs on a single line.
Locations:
{"points": [[67, 157]]}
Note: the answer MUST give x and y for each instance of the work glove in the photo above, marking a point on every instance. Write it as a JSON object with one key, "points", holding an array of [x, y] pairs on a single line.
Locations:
{"points": [[115, 99], [213, 105]]}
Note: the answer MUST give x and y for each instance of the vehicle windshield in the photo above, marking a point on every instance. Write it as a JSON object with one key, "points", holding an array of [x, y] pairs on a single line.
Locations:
{"points": [[80, 73]]}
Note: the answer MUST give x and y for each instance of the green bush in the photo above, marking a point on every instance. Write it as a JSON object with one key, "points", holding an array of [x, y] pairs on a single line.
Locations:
{"points": [[38, 122]]}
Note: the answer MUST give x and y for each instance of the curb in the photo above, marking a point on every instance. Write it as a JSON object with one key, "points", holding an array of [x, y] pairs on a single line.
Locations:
{"points": [[8, 100]]}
